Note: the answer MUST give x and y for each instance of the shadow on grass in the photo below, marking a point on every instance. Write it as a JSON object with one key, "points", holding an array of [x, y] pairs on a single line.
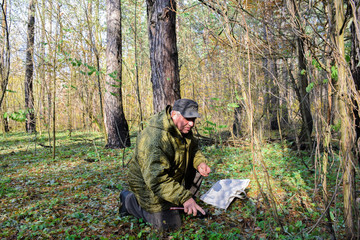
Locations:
{"points": [[68, 197]]}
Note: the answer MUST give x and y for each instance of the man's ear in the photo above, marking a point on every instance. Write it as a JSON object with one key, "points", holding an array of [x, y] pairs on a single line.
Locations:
{"points": [[174, 116]]}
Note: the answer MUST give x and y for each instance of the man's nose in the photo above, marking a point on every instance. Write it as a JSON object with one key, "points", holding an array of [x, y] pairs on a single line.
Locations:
{"points": [[191, 123]]}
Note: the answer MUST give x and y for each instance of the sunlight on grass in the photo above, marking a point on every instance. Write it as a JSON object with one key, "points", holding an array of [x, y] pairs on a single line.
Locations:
{"points": [[75, 195]]}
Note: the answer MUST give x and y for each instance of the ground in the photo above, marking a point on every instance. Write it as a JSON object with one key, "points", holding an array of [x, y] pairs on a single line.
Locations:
{"points": [[75, 194]]}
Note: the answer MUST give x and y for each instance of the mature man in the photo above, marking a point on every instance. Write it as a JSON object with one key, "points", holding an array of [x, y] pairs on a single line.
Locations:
{"points": [[167, 168]]}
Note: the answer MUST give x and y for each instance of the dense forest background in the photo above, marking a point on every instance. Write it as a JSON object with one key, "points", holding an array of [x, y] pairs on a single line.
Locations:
{"points": [[262, 71]]}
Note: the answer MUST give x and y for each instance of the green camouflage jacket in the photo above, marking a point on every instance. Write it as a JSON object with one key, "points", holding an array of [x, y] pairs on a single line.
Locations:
{"points": [[157, 170]]}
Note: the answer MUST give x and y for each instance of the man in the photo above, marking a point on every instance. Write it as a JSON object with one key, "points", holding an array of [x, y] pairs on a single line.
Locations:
{"points": [[167, 168]]}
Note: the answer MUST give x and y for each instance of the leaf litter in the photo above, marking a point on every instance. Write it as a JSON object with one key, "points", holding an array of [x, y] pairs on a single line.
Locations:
{"points": [[70, 197]]}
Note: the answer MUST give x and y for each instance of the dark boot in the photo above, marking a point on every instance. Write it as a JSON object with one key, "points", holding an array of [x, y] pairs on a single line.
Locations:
{"points": [[122, 209]]}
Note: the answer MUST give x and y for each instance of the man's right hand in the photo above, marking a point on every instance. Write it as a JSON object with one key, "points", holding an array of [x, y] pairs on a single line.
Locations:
{"points": [[191, 207]]}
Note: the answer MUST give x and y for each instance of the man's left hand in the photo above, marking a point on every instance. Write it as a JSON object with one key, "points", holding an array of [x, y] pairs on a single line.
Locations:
{"points": [[204, 169]]}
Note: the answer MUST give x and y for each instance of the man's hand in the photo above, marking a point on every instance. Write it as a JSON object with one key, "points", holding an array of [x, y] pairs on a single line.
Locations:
{"points": [[191, 207], [204, 169]]}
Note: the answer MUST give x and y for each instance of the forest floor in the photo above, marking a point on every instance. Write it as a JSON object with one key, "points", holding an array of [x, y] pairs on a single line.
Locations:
{"points": [[75, 195]]}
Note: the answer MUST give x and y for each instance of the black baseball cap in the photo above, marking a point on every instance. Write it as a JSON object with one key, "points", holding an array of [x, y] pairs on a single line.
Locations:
{"points": [[188, 108]]}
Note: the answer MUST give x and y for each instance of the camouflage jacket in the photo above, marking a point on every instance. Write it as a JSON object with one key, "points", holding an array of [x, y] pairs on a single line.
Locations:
{"points": [[157, 170]]}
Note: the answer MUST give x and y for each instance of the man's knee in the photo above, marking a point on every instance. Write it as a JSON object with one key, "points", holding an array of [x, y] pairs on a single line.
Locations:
{"points": [[169, 219], [163, 220]]}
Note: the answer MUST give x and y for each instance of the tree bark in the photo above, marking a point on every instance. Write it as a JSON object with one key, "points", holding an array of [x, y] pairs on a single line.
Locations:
{"points": [[304, 100], [347, 130], [42, 70], [29, 96], [355, 70], [137, 71], [163, 52], [4, 64], [355, 62], [271, 101], [94, 47], [300, 87], [116, 125]]}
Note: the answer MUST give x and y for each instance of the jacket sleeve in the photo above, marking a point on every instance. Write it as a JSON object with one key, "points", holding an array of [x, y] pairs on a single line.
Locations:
{"points": [[156, 171], [198, 156]]}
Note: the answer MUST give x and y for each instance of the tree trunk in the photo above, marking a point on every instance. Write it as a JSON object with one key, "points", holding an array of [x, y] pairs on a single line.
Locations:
{"points": [[163, 52], [94, 46], [48, 79], [300, 87], [355, 70], [5, 53], [137, 71], [58, 38], [116, 125], [271, 101], [347, 127], [355, 62], [304, 100], [4, 65], [42, 70], [29, 96]]}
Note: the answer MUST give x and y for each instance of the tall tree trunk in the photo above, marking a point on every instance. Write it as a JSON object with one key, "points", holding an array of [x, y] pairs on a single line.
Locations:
{"points": [[304, 99], [355, 70], [58, 37], [29, 96], [42, 70], [4, 64], [271, 101], [300, 87], [51, 54], [137, 71], [163, 52], [116, 125], [94, 48], [283, 105], [347, 126], [355, 61], [69, 102]]}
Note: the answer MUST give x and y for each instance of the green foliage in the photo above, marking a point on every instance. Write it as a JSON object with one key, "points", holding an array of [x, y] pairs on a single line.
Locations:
{"points": [[316, 64], [310, 87], [4, 190], [336, 127], [70, 198], [231, 106], [347, 58], [334, 73], [76, 62], [210, 127], [19, 116], [114, 75]]}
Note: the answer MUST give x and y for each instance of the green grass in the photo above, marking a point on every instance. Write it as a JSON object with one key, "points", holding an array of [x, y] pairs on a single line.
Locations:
{"points": [[71, 198]]}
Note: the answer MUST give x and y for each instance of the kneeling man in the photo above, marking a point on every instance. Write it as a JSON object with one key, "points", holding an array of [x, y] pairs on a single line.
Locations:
{"points": [[167, 168]]}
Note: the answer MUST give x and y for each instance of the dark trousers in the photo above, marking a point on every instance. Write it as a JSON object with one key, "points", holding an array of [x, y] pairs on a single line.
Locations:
{"points": [[169, 219]]}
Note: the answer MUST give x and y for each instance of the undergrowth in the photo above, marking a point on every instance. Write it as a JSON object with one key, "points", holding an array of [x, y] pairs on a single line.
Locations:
{"points": [[75, 195]]}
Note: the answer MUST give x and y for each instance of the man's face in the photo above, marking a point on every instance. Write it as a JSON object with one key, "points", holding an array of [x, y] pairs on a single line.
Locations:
{"points": [[183, 124]]}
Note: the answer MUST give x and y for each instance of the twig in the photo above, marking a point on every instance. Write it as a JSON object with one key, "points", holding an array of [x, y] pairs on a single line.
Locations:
{"points": [[328, 206], [96, 151]]}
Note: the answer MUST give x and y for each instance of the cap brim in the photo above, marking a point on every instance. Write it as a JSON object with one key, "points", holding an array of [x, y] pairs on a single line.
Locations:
{"points": [[192, 116]]}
